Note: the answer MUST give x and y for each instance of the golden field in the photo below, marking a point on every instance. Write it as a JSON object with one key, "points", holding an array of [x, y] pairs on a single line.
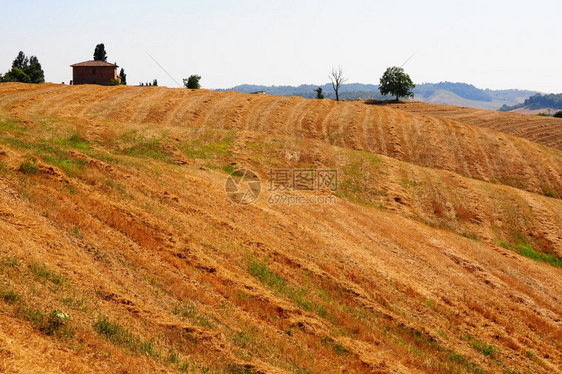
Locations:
{"points": [[121, 253]]}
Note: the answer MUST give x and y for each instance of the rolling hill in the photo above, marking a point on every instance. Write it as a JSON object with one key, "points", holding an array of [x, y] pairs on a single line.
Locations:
{"points": [[547, 104], [448, 93], [440, 250]]}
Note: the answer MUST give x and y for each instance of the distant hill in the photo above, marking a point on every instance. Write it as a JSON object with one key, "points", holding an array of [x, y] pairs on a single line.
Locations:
{"points": [[459, 94], [351, 91], [536, 104]]}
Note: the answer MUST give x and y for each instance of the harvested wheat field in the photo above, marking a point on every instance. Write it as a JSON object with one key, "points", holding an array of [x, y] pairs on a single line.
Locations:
{"points": [[440, 250]]}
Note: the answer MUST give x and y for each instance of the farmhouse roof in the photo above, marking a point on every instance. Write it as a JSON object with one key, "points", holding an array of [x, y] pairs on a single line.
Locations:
{"points": [[93, 63]]}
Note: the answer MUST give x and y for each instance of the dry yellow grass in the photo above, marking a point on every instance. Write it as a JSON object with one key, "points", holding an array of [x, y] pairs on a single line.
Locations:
{"points": [[119, 219]]}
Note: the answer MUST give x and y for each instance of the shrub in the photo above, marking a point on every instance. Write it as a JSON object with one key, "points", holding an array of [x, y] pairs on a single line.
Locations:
{"points": [[192, 82], [558, 114]]}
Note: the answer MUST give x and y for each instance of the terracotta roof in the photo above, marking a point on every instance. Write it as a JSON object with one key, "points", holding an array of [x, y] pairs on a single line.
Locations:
{"points": [[94, 64]]}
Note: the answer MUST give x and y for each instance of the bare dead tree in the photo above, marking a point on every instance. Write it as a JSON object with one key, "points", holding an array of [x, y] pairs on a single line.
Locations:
{"points": [[337, 80]]}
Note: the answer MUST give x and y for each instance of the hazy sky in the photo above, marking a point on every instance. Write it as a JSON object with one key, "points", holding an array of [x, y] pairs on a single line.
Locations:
{"points": [[491, 44]]}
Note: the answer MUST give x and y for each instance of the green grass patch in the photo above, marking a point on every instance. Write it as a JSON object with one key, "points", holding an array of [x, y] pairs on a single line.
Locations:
{"points": [[42, 272], [262, 272], [9, 296], [299, 295], [12, 126], [55, 156], [55, 323], [17, 143], [339, 349], [486, 349], [76, 142], [462, 361], [522, 246], [189, 311], [525, 249], [60, 159], [147, 148], [198, 149], [243, 339], [123, 337], [28, 167], [73, 302], [355, 178]]}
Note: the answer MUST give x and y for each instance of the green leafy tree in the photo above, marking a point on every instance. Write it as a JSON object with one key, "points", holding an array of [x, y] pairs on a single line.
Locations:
{"points": [[192, 82], [155, 82], [558, 114], [99, 53], [123, 76], [21, 61], [25, 70], [34, 70], [319, 94], [396, 82], [17, 75]]}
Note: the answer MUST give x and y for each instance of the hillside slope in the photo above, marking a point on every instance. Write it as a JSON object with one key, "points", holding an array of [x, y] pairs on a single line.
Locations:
{"points": [[422, 140], [113, 212], [543, 130]]}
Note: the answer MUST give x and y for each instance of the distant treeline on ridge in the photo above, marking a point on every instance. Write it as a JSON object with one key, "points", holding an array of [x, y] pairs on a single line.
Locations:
{"points": [[538, 101], [354, 91]]}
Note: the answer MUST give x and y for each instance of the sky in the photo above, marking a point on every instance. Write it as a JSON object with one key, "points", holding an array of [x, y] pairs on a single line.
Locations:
{"points": [[492, 44]]}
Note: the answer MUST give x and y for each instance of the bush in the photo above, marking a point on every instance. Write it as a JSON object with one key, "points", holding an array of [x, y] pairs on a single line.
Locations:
{"points": [[192, 82], [558, 114], [115, 82]]}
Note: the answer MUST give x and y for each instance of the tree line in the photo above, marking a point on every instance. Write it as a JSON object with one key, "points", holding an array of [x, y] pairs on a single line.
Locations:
{"points": [[24, 69], [537, 101]]}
